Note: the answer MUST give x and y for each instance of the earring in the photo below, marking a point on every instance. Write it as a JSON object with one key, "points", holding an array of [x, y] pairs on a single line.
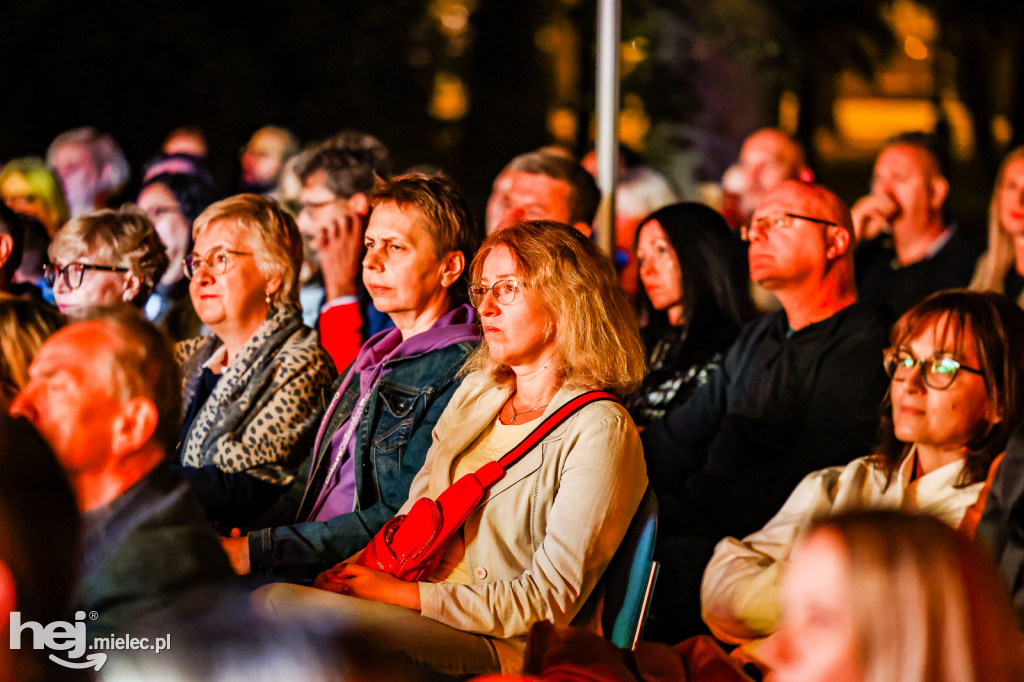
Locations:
{"points": [[268, 299]]}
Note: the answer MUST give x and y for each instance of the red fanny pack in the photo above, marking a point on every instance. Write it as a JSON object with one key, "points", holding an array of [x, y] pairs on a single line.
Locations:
{"points": [[410, 546]]}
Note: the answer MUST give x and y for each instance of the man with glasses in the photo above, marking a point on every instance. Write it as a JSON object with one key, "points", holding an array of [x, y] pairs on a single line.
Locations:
{"points": [[336, 178], [907, 250], [799, 391]]}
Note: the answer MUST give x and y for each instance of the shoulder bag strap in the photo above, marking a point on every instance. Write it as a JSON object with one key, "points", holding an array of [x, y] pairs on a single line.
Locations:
{"points": [[551, 423]]}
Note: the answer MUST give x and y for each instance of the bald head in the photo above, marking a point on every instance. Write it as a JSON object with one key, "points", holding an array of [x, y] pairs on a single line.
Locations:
{"points": [[768, 157], [810, 200]]}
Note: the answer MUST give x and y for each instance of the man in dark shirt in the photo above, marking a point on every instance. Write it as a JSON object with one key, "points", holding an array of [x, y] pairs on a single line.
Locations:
{"points": [[105, 394], [799, 391], [906, 249]]}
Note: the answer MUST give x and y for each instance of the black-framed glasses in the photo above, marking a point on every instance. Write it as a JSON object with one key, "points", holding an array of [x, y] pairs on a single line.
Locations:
{"points": [[504, 291], [217, 261], [766, 224], [72, 273], [938, 371]]}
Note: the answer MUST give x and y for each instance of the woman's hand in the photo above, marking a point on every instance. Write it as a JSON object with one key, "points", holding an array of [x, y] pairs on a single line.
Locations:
{"points": [[370, 584], [237, 549]]}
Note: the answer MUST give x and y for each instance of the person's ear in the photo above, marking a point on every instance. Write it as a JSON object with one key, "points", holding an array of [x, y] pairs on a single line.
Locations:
{"points": [[585, 228], [132, 287], [838, 243], [359, 204], [106, 175], [939, 192], [272, 286], [996, 414], [8, 594], [134, 426], [6, 246], [452, 267]]}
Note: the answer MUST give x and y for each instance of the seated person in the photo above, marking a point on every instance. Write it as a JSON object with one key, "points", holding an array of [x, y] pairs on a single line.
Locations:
{"points": [[798, 391], [375, 434], [24, 326], [881, 595], [1001, 267], [92, 168], [906, 249], [104, 394], [556, 324], [30, 188], [12, 247], [38, 548], [335, 177], [173, 201], [692, 304], [252, 389], [957, 367], [103, 258], [540, 185]]}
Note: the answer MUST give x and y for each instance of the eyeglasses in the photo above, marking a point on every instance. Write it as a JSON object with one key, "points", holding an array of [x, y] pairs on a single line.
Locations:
{"points": [[504, 291], [766, 224], [938, 371], [217, 261], [73, 272]]}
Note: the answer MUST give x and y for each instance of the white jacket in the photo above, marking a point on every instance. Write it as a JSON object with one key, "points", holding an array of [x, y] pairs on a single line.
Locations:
{"points": [[739, 594], [542, 538]]}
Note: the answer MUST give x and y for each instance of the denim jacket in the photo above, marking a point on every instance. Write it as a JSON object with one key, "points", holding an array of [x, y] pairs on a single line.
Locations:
{"points": [[391, 443]]}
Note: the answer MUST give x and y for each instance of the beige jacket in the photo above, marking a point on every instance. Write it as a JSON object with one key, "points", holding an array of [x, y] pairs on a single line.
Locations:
{"points": [[739, 594], [542, 538]]}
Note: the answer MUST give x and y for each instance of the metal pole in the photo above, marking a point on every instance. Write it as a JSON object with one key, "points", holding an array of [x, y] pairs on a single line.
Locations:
{"points": [[609, 13]]}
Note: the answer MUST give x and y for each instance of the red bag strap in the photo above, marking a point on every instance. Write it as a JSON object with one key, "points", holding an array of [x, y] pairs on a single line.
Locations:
{"points": [[551, 423]]}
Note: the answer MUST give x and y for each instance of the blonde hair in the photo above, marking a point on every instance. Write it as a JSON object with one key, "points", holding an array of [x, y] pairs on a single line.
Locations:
{"points": [[276, 242], [45, 187], [24, 326], [596, 332], [925, 603], [1000, 257], [123, 237]]}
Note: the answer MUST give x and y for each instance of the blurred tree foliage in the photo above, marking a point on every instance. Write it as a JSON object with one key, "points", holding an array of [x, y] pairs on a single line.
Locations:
{"points": [[982, 41], [717, 68]]}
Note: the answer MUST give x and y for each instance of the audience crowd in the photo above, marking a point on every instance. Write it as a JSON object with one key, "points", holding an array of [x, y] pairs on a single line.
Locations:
{"points": [[335, 427]]}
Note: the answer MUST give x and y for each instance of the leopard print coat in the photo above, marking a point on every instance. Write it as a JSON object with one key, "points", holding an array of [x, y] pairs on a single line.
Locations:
{"points": [[263, 411]]}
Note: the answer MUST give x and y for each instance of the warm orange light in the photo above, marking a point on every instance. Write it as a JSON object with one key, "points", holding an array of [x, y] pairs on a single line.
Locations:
{"points": [[915, 48], [450, 101]]}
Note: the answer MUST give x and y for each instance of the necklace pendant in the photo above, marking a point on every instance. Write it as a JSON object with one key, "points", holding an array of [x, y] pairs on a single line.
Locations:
{"points": [[512, 419]]}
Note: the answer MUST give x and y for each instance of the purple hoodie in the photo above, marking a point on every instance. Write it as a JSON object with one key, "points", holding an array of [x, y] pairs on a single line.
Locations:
{"points": [[338, 493]]}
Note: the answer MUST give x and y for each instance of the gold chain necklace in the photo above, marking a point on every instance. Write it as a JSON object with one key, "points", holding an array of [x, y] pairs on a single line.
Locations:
{"points": [[515, 415]]}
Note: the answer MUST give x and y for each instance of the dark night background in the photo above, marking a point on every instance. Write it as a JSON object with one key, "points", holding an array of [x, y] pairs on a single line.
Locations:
{"points": [[708, 72], [138, 70]]}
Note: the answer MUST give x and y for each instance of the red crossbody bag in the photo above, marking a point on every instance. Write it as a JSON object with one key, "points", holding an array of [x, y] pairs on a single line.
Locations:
{"points": [[410, 546]]}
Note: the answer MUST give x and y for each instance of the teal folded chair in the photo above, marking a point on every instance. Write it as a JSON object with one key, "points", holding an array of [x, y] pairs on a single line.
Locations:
{"points": [[630, 577]]}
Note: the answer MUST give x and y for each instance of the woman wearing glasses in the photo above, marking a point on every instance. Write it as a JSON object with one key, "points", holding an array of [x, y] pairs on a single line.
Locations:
{"points": [[251, 388], [103, 258], [555, 324], [957, 368]]}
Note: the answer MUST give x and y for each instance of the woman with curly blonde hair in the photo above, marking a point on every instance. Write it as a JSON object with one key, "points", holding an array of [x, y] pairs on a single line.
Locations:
{"points": [[555, 325]]}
